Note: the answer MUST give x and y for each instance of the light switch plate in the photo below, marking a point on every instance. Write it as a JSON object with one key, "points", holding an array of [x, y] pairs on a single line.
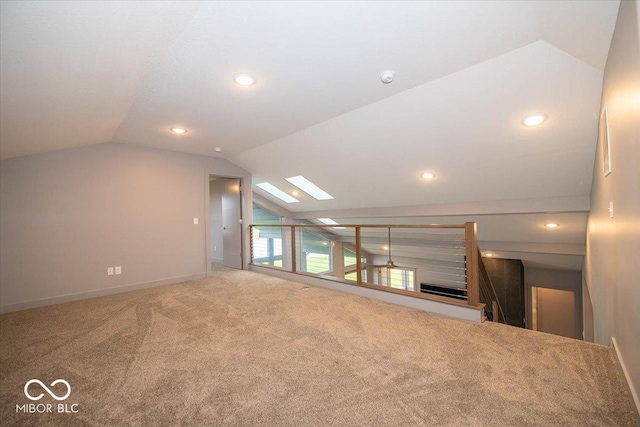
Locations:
{"points": [[118, 270], [109, 271], [195, 221]]}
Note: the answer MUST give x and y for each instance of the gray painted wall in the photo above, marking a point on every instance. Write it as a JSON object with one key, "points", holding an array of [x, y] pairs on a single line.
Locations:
{"points": [[507, 277], [66, 216], [612, 262]]}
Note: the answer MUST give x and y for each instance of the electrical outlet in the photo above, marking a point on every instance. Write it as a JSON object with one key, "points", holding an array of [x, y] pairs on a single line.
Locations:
{"points": [[109, 271], [118, 270]]}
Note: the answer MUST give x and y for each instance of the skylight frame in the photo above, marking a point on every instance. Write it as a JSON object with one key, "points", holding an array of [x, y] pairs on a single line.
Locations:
{"points": [[329, 221], [276, 192], [309, 187]]}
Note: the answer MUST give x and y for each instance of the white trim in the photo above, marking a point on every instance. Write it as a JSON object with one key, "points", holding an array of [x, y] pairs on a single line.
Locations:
{"points": [[98, 293], [629, 383], [472, 314]]}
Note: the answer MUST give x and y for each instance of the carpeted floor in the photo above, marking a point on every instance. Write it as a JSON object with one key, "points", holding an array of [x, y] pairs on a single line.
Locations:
{"points": [[246, 349]]}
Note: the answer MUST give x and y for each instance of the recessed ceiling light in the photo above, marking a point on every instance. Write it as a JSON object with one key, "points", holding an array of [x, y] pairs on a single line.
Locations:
{"points": [[218, 150], [275, 191], [295, 193], [552, 225], [385, 247], [179, 131], [534, 120], [329, 221], [244, 79], [428, 175], [489, 254], [309, 187]]}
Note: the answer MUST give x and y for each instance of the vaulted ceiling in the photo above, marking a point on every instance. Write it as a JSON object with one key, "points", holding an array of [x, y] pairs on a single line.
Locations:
{"points": [[466, 73]]}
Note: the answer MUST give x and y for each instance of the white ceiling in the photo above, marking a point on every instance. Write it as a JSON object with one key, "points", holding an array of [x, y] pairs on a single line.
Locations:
{"points": [[79, 73]]}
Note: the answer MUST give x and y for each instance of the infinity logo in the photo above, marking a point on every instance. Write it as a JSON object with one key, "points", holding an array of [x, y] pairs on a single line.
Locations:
{"points": [[52, 394]]}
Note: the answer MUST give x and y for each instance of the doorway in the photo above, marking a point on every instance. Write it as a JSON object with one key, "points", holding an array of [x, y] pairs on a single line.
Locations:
{"points": [[553, 311], [225, 222]]}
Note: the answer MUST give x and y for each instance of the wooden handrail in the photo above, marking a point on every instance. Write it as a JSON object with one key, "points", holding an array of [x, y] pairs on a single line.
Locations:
{"points": [[366, 225], [492, 291]]}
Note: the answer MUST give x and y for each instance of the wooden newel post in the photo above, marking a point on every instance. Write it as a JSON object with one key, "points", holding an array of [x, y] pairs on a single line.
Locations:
{"points": [[473, 282]]}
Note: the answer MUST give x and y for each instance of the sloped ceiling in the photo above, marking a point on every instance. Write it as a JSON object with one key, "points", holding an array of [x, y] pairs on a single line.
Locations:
{"points": [[466, 73]]}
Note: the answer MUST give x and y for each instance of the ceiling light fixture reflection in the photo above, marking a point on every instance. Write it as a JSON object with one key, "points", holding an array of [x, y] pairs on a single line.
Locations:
{"points": [[329, 221], [534, 120], [552, 225], [309, 187], [428, 175], [178, 131], [244, 79], [489, 254], [275, 191]]}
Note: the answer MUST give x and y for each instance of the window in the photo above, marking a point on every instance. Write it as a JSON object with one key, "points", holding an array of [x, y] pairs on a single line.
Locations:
{"points": [[267, 241], [316, 253], [397, 278], [263, 216], [349, 257], [350, 269], [353, 275]]}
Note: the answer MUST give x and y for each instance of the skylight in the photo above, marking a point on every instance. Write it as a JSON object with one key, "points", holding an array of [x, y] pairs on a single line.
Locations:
{"points": [[329, 221], [309, 187], [275, 191]]}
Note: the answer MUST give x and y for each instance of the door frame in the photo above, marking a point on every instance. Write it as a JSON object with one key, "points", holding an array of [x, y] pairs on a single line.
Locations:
{"points": [[246, 215]]}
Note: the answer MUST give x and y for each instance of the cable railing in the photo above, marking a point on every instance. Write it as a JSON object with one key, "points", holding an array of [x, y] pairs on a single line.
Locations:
{"points": [[436, 262]]}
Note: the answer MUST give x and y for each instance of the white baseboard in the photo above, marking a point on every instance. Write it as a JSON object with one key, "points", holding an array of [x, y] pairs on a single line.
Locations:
{"points": [[97, 293], [627, 378]]}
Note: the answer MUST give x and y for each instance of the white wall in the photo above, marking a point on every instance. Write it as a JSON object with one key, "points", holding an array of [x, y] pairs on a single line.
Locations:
{"points": [[612, 262], [65, 216]]}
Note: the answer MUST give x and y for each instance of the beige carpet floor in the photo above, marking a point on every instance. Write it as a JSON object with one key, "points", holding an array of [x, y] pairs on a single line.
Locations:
{"points": [[246, 349]]}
